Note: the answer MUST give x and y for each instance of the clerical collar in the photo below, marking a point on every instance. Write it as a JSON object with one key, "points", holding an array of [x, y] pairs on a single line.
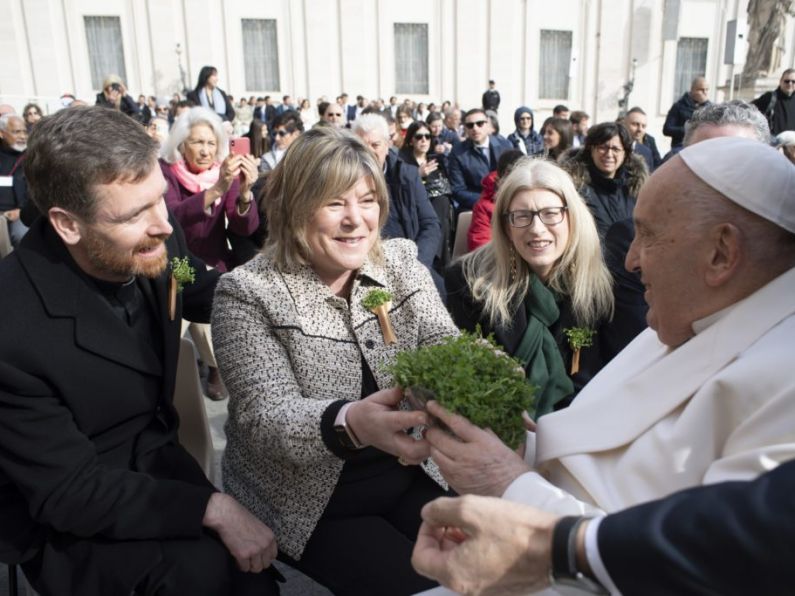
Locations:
{"points": [[702, 324], [111, 288]]}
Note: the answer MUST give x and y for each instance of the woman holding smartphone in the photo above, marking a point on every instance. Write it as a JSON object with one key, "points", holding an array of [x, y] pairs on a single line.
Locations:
{"points": [[207, 188], [416, 151]]}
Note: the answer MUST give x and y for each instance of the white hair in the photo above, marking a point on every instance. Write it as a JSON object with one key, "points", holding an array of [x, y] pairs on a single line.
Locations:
{"points": [[785, 139], [369, 123], [171, 152], [6, 118]]}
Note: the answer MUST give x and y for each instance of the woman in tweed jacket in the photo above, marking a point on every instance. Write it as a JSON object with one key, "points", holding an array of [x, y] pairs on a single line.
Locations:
{"points": [[304, 363]]}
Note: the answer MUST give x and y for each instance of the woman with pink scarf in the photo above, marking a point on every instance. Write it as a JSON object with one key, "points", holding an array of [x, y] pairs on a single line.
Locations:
{"points": [[208, 189]]}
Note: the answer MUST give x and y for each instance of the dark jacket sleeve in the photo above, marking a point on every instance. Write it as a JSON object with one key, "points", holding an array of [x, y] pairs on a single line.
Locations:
{"points": [[466, 314], [465, 197], [733, 538], [763, 101], [230, 109], [429, 235], [674, 125]]}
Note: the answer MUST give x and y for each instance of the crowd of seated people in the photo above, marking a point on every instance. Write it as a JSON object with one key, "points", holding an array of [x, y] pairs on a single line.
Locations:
{"points": [[330, 202]]}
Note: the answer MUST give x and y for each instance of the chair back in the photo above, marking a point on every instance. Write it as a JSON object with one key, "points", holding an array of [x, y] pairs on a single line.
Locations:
{"points": [[5, 238], [461, 229], [194, 428]]}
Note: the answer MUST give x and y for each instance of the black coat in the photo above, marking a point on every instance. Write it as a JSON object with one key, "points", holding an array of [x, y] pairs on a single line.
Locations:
{"points": [[127, 106], [88, 432], [12, 164], [229, 109], [467, 167], [468, 314], [649, 141], [410, 212], [678, 115], [609, 199], [733, 538], [781, 116]]}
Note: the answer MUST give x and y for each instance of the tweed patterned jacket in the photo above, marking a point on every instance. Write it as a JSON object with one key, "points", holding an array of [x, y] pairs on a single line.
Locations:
{"points": [[287, 349]]}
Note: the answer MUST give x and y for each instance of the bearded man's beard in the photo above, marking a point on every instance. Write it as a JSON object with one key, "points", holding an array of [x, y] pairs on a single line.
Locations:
{"points": [[104, 256]]}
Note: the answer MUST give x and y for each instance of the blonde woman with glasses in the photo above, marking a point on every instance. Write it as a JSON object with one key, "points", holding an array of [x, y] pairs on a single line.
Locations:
{"points": [[541, 274]]}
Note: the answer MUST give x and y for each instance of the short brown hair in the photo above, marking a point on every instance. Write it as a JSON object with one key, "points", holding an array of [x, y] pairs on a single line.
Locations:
{"points": [[320, 164], [79, 148]]}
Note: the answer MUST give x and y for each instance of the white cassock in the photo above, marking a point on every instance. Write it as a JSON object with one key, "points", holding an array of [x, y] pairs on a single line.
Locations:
{"points": [[655, 420]]}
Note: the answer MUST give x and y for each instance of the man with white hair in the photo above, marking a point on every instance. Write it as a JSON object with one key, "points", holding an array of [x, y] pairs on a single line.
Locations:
{"points": [[411, 214], [735, 118], [703, 396], [13, 187]]}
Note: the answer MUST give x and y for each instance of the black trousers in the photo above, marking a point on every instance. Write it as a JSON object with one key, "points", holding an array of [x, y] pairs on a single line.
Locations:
{"points": [[199, 567], [68, 565], [362, 544]]}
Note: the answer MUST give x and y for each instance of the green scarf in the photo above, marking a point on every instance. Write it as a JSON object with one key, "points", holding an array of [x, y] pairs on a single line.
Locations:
{"points": [[539, 352]]}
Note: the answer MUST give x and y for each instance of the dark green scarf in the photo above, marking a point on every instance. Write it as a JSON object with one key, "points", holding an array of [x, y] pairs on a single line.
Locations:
{"points": [[539, 352]]}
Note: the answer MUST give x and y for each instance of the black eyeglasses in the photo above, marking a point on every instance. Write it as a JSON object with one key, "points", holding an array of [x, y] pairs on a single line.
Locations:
{"points": [[522, 218], [471, 125], [422, 135], [283, 133]]}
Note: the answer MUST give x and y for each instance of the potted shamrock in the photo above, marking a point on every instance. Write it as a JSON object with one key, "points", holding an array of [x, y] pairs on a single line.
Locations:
{"points": [[471, 376]]}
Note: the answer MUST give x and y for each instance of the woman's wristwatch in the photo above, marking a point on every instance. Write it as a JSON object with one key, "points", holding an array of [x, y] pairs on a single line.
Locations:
{"points": [[345, 433]]}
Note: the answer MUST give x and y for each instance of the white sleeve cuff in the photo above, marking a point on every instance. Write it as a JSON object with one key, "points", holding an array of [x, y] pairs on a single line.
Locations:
{"points": [[594, 558]]}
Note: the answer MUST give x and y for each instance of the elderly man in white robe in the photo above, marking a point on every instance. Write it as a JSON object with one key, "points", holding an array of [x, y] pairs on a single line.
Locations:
{"points": [[707, 393]]}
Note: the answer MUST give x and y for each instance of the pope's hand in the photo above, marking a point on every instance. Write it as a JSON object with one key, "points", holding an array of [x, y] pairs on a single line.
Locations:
{"points": [[474, 460], [484, 546]]}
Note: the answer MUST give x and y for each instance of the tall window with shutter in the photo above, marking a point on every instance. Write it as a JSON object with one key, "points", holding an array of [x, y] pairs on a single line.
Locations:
{"points": [[261, 55], [411, 58], [691, 62], [105, 48], [555, 61]]}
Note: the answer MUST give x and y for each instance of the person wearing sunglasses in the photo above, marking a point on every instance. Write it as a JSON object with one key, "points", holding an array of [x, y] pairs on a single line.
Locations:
{"points": [[411, 214], [525, 138], [473, 159], [607, 173], [541, 274], [286, 129], [416, 150], [778, 106]]}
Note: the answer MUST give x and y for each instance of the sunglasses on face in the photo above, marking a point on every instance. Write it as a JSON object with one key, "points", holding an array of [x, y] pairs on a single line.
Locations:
{"points": [[282, 133], [471, 125], [422, 135], [789, 81]]}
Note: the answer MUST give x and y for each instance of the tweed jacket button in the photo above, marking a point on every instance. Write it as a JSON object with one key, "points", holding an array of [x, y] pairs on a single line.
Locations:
{"points": [[369, 344]]}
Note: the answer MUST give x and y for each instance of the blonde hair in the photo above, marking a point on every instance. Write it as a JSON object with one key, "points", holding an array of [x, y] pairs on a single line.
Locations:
{"points": [[580, 273], [321, 164]]}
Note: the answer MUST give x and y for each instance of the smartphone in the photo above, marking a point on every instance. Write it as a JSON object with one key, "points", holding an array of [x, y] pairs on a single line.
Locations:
{"points": [[240, 146]]}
